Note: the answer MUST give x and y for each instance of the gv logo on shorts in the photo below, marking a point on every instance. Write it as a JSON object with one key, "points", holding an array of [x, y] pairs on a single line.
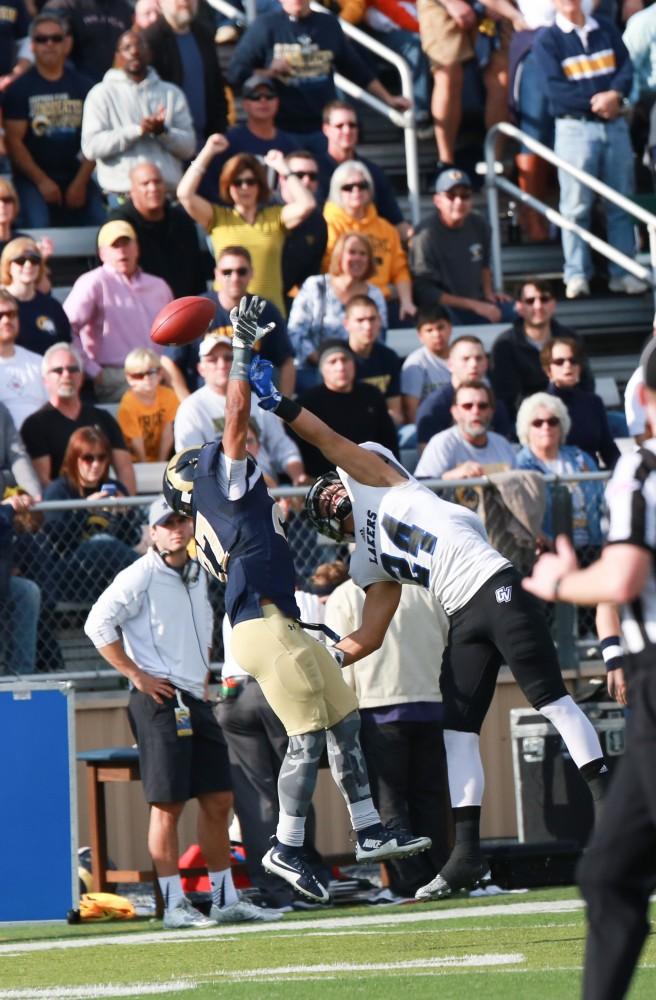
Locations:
{"points": [[503, 595]]}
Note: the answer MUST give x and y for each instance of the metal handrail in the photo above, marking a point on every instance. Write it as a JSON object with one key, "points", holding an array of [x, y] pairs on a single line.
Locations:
{"points": [[404, 120], [494, 182]]}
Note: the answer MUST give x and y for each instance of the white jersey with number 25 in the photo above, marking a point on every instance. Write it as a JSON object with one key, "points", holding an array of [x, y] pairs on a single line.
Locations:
{"points": [[407, 534]]}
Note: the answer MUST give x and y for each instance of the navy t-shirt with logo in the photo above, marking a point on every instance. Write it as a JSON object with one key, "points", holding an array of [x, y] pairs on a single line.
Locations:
{"points": [[53, 111], [43, 323]]}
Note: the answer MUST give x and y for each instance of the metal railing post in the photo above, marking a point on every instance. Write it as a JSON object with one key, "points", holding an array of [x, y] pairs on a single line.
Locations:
{"points": [[492, 195]]}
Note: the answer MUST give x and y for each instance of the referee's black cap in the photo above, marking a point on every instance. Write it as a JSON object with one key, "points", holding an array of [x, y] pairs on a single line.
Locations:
{"points": [[648, 364]]}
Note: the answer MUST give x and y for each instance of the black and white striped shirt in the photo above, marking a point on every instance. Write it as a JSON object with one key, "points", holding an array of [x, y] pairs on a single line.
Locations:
{"points": [[631, 497]]}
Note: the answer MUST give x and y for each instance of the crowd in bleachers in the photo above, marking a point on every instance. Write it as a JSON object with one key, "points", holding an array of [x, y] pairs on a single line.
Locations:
{"points": [[249, 179]]}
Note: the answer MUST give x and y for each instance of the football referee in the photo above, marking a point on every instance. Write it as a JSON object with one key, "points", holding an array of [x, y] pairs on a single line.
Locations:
{"points": [[618, 871]]}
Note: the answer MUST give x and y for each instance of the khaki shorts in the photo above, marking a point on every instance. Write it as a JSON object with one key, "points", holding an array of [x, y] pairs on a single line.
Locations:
{"points": [[299, 678], [441, 39]]}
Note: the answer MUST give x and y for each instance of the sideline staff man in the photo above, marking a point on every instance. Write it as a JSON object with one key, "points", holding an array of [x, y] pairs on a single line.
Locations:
{"points": [[618, 872], [160, 605]]}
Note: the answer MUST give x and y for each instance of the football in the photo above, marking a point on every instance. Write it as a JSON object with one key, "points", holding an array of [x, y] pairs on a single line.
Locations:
{"points": [[182, 321]]}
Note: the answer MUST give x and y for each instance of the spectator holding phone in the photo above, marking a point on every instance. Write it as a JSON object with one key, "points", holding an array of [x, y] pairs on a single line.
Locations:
{"points": [[94, 544]]}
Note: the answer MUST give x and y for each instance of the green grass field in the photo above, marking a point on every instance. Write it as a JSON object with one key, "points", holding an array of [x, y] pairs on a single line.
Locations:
{"points": [[513, 947]]}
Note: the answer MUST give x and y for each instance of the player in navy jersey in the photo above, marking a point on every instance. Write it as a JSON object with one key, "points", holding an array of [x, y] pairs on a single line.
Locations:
{"points": [[241, 540], [404, 534]]}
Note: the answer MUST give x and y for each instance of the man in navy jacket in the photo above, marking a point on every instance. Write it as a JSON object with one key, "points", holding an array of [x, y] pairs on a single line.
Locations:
{"points": [[587, 75]]}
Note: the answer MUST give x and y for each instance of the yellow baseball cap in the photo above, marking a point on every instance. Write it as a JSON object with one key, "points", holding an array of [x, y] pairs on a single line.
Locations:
{"points": [[113, 231]]}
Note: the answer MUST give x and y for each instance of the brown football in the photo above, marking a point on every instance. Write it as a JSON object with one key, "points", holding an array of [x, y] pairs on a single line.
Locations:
{"points": [[182, 321]]}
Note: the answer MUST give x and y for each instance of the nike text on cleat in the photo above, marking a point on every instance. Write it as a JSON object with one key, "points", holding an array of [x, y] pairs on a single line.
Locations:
{"points": [[467, 878], [389, 844], [293, 869], [186, 915], [241, 912]]}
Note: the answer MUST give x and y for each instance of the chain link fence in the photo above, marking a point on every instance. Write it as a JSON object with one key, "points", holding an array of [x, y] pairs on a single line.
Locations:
{"points": [[64, 554]]}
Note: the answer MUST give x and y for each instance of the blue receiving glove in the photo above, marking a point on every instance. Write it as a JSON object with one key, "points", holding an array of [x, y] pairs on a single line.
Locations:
{"points": [[260, 376]]}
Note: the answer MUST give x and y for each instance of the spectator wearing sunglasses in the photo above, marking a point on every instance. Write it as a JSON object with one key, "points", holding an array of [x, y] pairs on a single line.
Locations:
{"points": [[469, 448], [350, 209], [47, 432], [245, 217], [516, 368], [147, 410], [259, 133], [450, 257], [43, 121], [42, 320], [232, 276], [543, 425], [562, 360], [306, 244]]}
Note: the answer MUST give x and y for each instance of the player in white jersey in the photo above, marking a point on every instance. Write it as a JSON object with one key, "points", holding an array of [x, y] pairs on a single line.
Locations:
{"points": [[617, 874], [404, 534]]}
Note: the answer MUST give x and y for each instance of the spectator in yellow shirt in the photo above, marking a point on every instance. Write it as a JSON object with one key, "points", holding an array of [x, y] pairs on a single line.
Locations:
{"points": [[146, 411]]}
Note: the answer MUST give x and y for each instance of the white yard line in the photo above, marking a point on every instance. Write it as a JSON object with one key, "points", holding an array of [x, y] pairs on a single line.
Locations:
{"points": [[410, 915], [285, 971]]}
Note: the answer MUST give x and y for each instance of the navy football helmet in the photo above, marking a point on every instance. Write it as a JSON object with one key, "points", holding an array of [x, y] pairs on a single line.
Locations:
{"points": [[178, 483]]}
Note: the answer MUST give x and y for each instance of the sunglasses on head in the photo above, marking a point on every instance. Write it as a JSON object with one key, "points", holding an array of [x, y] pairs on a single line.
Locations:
{"points": [[475, 404], [355, 186], [241, 182], [44, 39], [149, 372], [90, 457], [549, 421], [240, 271], [27, 258], [564, 361], [60, 369], [312, 175], [542, 297]]}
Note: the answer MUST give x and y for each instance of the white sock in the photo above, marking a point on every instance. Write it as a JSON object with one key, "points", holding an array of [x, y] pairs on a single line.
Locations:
{"points": [[577, 731], [363, 813], [170, 887], [290, 830], [465, 768], [223, 888]]}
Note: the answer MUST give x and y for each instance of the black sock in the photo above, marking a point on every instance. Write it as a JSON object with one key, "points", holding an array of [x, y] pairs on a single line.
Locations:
{"points": [[288, 849], [466, 853], [596, 775]]}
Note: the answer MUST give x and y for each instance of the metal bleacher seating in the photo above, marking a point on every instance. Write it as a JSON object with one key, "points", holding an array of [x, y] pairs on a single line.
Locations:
{"points": [[74, 252]]}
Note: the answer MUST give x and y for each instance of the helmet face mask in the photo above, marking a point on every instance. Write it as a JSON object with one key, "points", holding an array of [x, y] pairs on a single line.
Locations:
{"points": [[327, 505], [178, 482]]}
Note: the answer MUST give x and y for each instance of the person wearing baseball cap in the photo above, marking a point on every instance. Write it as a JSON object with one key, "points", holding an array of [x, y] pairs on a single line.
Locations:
{"points": [[450, 257], [616, 873], [153, 624], [111, 309]]}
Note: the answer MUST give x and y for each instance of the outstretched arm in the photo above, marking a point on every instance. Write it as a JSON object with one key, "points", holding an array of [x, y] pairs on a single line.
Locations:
{"points": [[238, 397], [365, 466], [380, 604]]}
